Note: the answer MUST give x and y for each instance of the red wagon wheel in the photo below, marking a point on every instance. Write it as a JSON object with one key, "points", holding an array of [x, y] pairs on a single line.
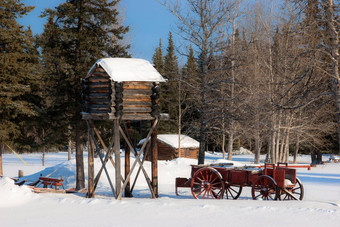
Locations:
{"points": [[207, 183], [293, 193], [232, 191], [265, 188]]}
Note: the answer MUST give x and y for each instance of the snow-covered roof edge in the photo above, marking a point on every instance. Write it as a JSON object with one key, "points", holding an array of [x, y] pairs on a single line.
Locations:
{"points": [[128, 69], [172, 140]]}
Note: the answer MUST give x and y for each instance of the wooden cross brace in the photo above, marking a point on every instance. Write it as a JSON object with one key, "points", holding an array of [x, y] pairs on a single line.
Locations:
{"points": [[137, 155], [109, 152], [101, 159]]}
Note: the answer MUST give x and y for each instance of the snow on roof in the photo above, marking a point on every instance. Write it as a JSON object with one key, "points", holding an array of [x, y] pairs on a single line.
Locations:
{"points": [[129, 69], [172, 140]]}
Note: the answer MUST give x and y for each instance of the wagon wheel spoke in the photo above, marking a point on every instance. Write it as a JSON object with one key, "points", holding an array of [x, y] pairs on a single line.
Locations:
{"points": [[265, 187], [200, 192], [230, 193], [199, 179], [205, 192], [216, 195], [202, 176], [209, 177], [212, 195], [258, 195], [286, 196], [233, 191], [207, 184]]}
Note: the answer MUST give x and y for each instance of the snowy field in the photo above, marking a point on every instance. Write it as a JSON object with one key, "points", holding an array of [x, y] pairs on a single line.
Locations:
{"points": [[20, 207]]}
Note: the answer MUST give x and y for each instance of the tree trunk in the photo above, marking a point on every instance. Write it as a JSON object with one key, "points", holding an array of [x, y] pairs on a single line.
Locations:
{"points": [[223, 143], [232, 91], [319, 157], [1, 151], [43, 156], [277, 146], [80, 176], [257, 139], [204, 109], [313, 156], [268, 155], [69, 148], [297, 144], [257, 148], [282, 145], [286, 148], [337, 105], [44, 148], [334, 35], [90, 175], [272, 143], [230, 144], [201, 154]]}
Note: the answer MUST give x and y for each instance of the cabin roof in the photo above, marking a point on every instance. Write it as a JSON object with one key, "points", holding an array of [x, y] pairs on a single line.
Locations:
{"points": [[128, 69], [172, 140]]}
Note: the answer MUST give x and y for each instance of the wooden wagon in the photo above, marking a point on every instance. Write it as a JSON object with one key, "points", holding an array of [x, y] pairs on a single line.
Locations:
{"points": [[269, 183]]}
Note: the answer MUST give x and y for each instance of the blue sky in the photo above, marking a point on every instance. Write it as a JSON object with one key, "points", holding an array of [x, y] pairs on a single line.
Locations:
{"points": [[148, 20]]}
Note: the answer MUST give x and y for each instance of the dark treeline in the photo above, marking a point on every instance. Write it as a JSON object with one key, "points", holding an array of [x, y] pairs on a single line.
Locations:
{"points": [[264, 75], [41, 97]]}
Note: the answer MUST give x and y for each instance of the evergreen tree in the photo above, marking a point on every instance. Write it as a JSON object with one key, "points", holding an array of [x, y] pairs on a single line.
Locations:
{"points": [[189, 102], [157, 58], [18, 60], [169, 92], [190, 68], [78, 33]]}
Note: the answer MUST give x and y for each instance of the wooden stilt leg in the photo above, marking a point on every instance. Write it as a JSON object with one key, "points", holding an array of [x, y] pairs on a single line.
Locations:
{"points": [[101, 159], [117, 156], [127, 192], [154, 160]]}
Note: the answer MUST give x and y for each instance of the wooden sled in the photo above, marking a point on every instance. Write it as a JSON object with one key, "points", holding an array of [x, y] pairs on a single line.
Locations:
{"points": [[52, 190], [51, 185]]}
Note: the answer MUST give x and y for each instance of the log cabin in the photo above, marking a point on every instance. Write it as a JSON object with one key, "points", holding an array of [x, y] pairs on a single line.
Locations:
{"points": [[168, 147]]}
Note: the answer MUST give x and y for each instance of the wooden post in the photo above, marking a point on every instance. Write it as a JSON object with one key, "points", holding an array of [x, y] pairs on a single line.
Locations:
{"points": [[154, 160], [116, 149], [91, 168], [20, 173], [127, 192]]}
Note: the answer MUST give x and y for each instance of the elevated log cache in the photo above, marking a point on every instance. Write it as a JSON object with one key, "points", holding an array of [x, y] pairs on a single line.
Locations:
{"points": [[104, 98], [119, 90]]}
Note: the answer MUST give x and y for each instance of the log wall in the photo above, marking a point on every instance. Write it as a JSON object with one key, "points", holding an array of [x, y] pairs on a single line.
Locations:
{"points": [[107, 99], [166, 152], [188, 153]]}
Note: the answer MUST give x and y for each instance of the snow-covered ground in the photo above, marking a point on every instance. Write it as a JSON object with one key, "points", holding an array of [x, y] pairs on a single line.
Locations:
{"points": [[20, 207]]}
